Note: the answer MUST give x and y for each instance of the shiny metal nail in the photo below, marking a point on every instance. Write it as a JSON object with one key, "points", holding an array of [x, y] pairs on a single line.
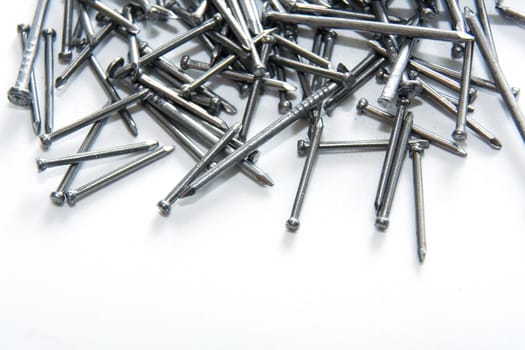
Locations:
{"points": [[292, 224], [343, 77], [49, 58], [74, 195], [44, 163], [458, 24], [330, 147], [103, 113], [416, 151], [368, 26], [233, 23], [169, 46], [496, 71], [166, 204], [460, 133], [19, 94], [82, 56], [58, 197], [393, 147], [187, 63], [36, 116], [66, 54], [481, 10], [301, 51], [383, 212]]}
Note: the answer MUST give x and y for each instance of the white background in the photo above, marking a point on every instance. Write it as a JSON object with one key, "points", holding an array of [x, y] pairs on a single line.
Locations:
{"points": [[222, 272]]}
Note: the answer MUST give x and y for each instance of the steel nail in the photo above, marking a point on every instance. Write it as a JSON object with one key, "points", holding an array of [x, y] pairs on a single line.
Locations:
{"points": [[23, 30], [43, 163], [19, 94], [416, 151], [166, 204], [292, 224], [49, 39], [74, 195], [103, 113], [66, 54]]}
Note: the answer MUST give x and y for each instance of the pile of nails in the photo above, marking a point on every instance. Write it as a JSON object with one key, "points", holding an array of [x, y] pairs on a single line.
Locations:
{"points": [[254, 45]]}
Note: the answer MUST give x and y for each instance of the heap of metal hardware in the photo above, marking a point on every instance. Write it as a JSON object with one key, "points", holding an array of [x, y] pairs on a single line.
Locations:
{"points": [[254, 45]]}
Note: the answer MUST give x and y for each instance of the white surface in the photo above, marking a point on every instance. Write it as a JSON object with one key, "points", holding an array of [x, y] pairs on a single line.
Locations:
{"points": [[222, 273]]}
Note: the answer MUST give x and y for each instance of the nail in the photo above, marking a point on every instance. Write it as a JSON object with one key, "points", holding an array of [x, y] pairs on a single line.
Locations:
{"points": [[301, 51], [292, 224], [19, 94], [82, 56], [263, 136], [311, 9], [113, 95], [169, 46], [103, 113], [187, 63], [460, 133], [253, 97], [58, 196], [66, 54], [251, 14], [303, 146], [383, 212], [343, 77], [36, 116], [510, 13], [258, 66], [363, 106], [115, 17], [497, 73], [43, 163], [369, 26], [416, 151], [393, 146], [133, 42], [233, 24], [49, 38], [74, 195], [481, 10], [87, 25], [458, 24], [166, 204]]}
